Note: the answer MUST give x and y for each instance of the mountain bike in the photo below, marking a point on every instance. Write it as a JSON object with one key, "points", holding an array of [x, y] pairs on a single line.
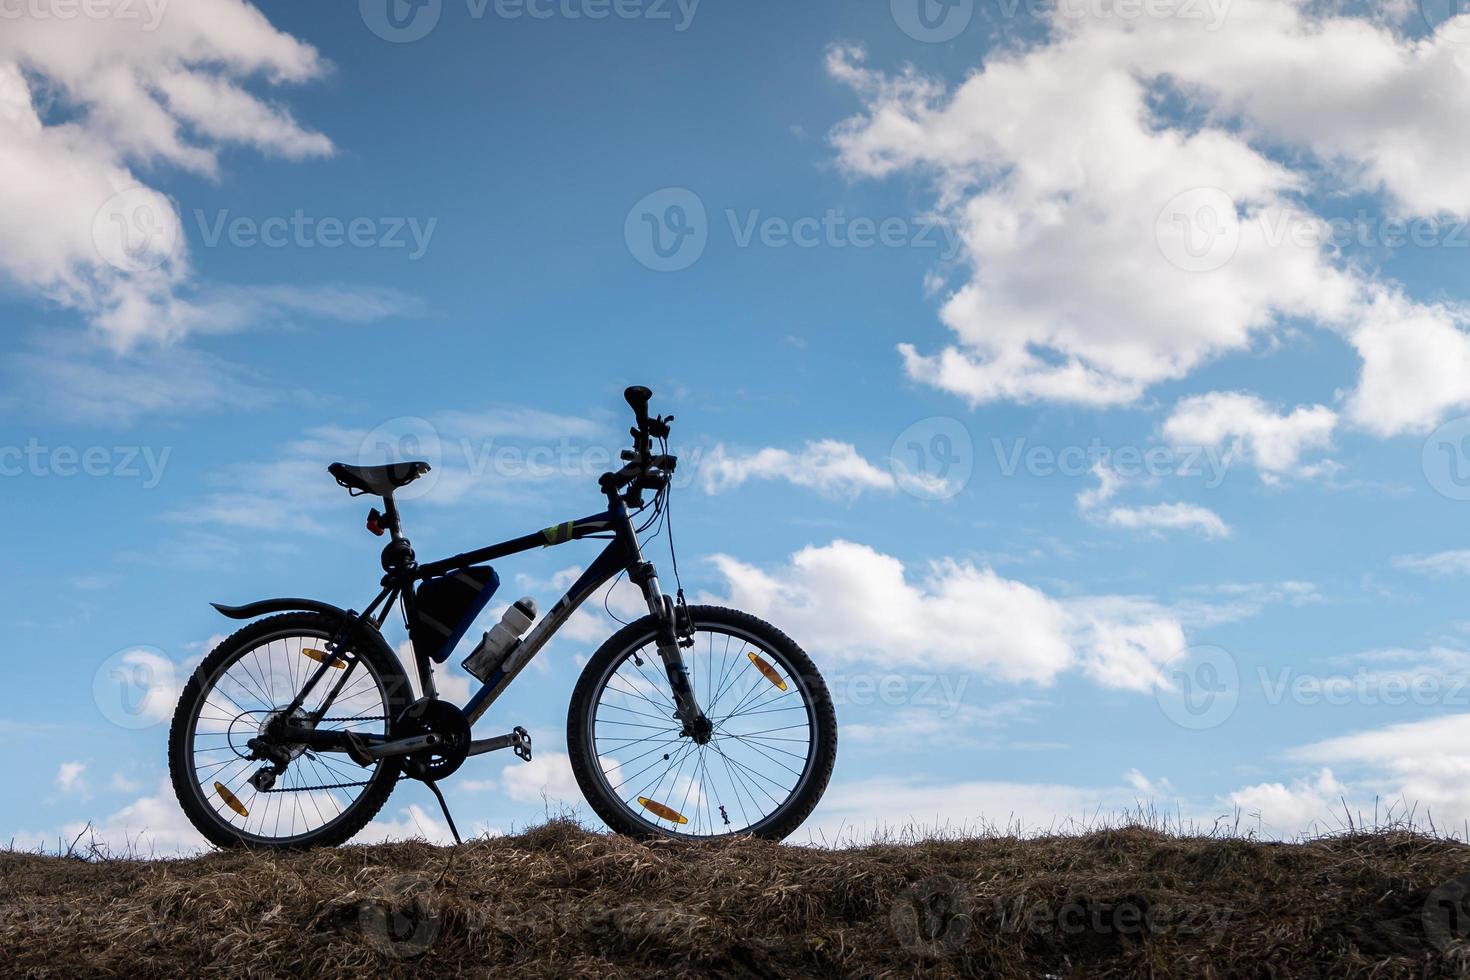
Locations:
{"points": [[693, 721]]}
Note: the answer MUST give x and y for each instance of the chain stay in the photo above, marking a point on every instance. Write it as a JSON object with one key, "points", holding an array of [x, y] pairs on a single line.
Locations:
{"points": [[307, 789]]}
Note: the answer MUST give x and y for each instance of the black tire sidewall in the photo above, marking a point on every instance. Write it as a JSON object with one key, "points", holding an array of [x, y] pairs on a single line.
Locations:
{"points": [[378, 657], [780, 823]]}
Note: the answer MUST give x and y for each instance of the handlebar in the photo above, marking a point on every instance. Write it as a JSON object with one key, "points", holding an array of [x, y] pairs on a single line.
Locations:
{"points": [[644, 471]]}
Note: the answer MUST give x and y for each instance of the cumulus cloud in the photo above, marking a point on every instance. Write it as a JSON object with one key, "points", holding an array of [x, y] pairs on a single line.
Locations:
{"points": [[69, 778], [150, 826], [1110, 247], [833, 468], [1273, 441], [849, 601], [1417, 770], [548, 777], [1310, 805], [1416, 365], [86, 101], [1151, 517], [1170, 517]]}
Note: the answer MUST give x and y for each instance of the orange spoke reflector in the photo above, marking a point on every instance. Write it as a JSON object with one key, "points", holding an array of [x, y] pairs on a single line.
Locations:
{"points": [[663, 812], [767, 669], [323, 658], [231, 800]]}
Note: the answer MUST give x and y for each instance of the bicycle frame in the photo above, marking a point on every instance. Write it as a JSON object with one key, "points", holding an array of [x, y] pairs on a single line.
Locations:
{"points": [[623, 554]]}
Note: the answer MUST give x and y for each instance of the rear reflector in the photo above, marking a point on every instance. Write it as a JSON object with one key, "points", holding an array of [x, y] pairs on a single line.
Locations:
{"points": [[323, 658], [231, 800]]}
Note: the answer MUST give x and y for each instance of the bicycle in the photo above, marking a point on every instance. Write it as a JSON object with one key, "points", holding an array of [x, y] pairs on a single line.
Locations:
{"points": [[294, 731]]}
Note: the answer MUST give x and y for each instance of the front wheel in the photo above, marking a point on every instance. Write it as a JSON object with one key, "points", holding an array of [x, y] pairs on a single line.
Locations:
{"points": [[768, 758]]}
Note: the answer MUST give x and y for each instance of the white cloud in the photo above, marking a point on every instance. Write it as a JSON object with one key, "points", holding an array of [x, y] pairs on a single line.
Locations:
{"points": [[66, 377], [954, 724], [1416, 768], [1231, 602], [1307, 806], [1455, 562], [1368, 102], [1153, 517], [828, 466], [475, 456], [1083, 287], [856, 810], [1055, 189], [1273, 441], [1416, 365], [413, 822], [849, 601], [1148, 787], [69, 779], [150, 826], [547, 776], [1170, 517], [153, 684], [1109, 482], [129, 93]]}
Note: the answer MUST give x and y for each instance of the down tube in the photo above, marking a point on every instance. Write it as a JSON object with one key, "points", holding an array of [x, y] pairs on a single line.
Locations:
{"points": [[614, 559]]}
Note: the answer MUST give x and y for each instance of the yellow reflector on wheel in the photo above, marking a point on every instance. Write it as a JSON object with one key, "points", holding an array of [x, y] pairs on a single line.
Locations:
{"points": [[323, 658], [767, 670], [661, 811], [231, 800]]}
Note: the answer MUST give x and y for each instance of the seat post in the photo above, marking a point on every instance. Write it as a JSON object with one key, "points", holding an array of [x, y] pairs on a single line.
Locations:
{"points": [[398, 553], [390, 515]]}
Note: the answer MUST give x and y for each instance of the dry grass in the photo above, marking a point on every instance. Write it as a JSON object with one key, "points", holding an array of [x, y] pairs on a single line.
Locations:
{"points": [[559, 901]]}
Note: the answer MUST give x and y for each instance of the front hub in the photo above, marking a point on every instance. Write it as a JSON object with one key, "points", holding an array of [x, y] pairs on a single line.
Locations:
{"points": [[701, 730]]}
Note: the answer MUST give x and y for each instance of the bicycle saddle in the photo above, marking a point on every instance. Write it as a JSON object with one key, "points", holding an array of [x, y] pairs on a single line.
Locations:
{"points": [[379, 480]]}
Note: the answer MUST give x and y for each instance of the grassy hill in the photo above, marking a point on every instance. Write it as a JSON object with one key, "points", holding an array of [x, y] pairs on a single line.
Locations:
{"points": [[559, 901]]}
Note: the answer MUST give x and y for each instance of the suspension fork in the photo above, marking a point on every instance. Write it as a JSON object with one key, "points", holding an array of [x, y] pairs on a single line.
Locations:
{"points": [[642, 574]]}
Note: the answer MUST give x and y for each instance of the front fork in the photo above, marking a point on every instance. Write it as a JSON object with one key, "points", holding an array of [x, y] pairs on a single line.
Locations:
{"points": [[674, 633]]}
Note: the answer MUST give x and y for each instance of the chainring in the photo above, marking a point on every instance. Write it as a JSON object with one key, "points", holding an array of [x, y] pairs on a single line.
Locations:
{"points": [[433, 717]]}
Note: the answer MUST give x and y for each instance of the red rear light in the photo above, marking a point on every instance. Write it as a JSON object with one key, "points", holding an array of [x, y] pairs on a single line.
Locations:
{"points": [[375, 522]]}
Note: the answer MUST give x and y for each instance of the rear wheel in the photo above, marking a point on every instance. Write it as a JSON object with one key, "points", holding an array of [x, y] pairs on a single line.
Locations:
{"points": [[246, 683], [766, 762]]}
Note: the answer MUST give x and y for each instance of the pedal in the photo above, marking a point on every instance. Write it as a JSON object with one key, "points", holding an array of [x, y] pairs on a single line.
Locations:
{"points": [[519, 741], [357, 751]]}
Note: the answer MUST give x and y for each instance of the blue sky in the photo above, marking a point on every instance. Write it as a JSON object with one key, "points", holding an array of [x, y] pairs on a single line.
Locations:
{"points": [[1181, 345]]}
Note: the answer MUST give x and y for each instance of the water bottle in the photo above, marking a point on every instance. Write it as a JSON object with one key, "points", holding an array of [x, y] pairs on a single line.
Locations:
{"points": [[504, 637]]}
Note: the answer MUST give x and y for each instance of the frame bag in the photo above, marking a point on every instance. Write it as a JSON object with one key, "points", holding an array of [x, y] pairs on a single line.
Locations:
{"points": [[446, 608]]}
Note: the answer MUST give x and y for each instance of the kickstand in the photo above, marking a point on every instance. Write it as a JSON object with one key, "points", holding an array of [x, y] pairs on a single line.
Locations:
{"points": [[445, 807]]}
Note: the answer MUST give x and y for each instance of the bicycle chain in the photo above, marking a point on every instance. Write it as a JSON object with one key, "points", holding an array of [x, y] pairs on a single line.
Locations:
{"points": [[307, 789]]}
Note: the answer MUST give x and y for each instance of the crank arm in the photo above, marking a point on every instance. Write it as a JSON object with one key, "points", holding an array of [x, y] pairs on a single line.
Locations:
{"points": [[519, 740]]}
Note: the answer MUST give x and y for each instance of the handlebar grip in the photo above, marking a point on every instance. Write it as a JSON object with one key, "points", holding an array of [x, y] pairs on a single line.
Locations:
{"points": [[638, 398]]}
